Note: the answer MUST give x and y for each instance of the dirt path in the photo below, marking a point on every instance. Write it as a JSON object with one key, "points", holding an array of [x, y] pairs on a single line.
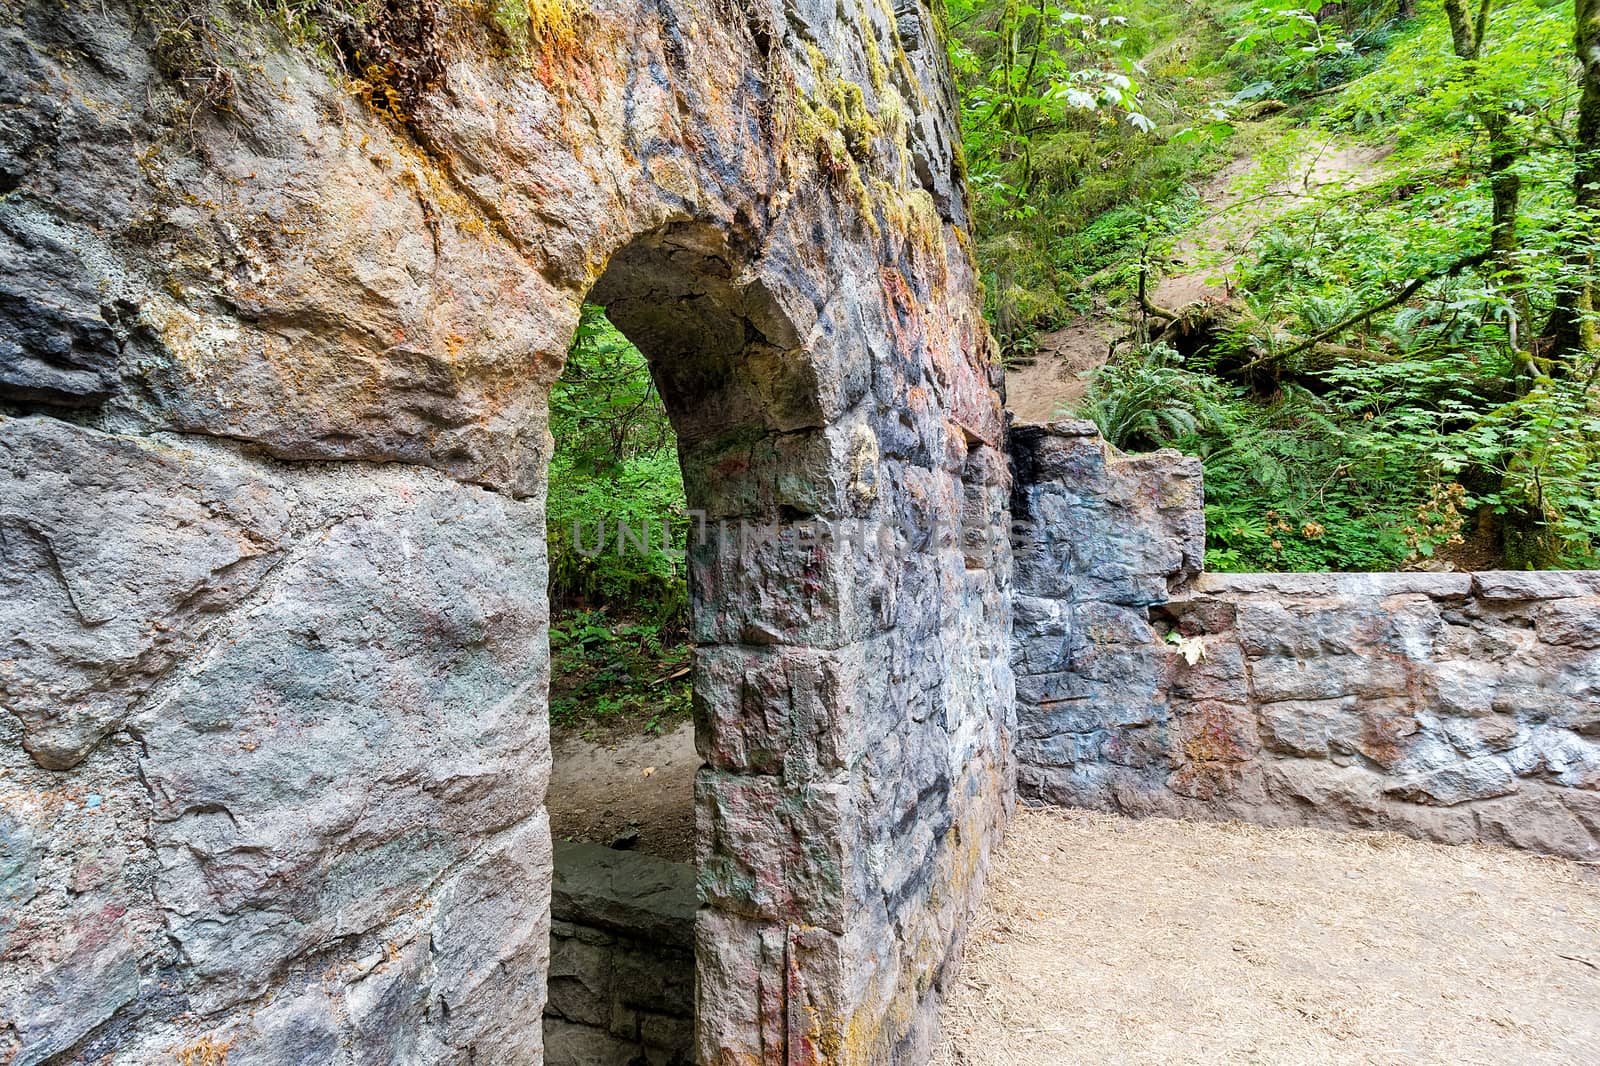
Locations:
{"points": [[1050, 386], [1238, 202], [640, 786], [1242, 199], [1105, 940]]}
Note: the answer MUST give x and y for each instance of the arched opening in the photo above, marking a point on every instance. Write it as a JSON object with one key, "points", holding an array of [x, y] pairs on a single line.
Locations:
{"points": [[620, 722], [678, 360]]}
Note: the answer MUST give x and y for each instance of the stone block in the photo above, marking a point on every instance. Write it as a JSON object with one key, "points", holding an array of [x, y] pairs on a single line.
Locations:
{"points": [[1307, 727], [370, 722], [1573, 623], [292, 1028], [772, 854], [489, 944], [626, 893], [1467, 687], [1538, 819], [1211, 744], [570, 1044], [765, 988], [1140, 748], [1219, 675], [1344, 626], [580, 981], [1500, 585], [787, 583], [1488, 735], [1327, 677], [61, 340], [1062, 749], [1100, 624], [650, 979], [1559, 755], [790, 711], [672, 1033], [1457, 782], [1447, 587]]}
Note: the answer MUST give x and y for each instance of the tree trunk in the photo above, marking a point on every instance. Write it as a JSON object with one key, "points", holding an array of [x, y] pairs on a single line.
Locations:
{"points": [[1571, 330], [1463, 34], [1505, 189], [1467, 30]]}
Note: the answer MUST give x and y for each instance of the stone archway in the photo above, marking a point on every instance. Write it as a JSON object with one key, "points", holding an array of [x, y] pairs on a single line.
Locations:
{"points": [[830, 706], [274, 595], [759, 458]]}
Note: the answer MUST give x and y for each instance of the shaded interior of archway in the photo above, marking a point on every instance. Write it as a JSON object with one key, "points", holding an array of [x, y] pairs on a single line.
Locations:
{"points": [[678, 375], [723, 369]]}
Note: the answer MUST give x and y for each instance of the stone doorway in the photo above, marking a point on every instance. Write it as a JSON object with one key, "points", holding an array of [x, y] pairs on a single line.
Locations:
{"points": [[737, 391]]}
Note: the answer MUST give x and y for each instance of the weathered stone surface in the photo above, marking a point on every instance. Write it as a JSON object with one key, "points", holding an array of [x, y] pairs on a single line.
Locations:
{"points": [[1451, 706], [117, 555], [393, 727], [1573, 622], [1442, 587], [80, 936], [626, 893], [63, 351], [285, 568], [1535, 585]]}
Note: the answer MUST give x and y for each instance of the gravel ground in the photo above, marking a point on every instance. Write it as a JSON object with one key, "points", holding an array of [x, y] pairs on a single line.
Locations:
{"points": [[1107, 940]]}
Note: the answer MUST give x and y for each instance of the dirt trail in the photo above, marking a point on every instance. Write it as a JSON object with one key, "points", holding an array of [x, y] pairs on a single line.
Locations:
{"points": [[1238, 202], [1107, 940], [1238, 205], [639, 787], [1059, 374]]}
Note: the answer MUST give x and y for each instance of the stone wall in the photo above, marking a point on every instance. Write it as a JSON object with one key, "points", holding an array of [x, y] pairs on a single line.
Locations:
{"points": [[276, 342], [1452, 707], [621, 959]]}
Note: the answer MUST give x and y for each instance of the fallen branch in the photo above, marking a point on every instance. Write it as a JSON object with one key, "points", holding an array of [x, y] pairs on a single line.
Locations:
{"points": [[1476, 259], [1145, 303], [1329, 91]]}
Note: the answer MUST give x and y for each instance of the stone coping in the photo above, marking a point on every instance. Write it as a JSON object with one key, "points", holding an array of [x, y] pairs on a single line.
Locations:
{"points": [[1487, 584]]}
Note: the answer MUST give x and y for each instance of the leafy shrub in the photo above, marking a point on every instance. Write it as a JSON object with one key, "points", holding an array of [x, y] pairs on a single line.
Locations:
{"points": [[615, 463]]}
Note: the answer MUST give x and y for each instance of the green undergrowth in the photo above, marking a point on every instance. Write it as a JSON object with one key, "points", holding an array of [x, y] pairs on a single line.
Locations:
{"points": [[1430, 432], [610, 675], [618, 638]]}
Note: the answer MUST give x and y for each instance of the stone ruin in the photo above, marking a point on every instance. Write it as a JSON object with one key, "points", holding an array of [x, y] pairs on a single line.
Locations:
{"points": [[1450, 707], [280, 314], [278, 339]]}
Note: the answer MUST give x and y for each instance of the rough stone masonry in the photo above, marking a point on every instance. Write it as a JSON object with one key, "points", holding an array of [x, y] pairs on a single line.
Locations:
{"points": [[621, 959], [1453, 707], [282, 303], [281, 308]]}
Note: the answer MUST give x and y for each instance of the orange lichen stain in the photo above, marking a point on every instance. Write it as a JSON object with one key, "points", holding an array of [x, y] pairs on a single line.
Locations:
{"points": [[207, 1051], [896, 289], [430, 183], [1383, 735], [1214, 741], [562, 44]]}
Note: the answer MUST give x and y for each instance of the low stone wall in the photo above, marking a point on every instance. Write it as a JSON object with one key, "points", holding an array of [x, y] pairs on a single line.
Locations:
{"points": [[1451, 707], [621, 959]]}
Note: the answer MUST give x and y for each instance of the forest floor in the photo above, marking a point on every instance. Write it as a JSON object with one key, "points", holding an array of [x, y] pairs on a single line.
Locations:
{"points": [[631, 788], [1104, 939], [1236, 203]]}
